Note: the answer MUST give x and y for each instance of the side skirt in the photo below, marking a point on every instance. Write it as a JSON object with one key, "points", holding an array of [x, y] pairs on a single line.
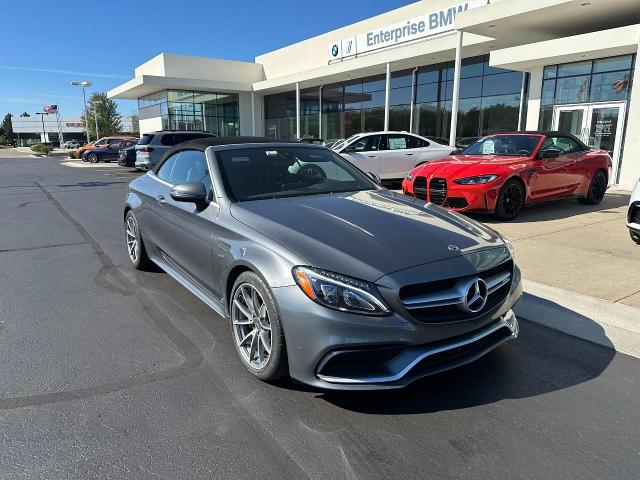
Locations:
{"points": [[190, 285]]}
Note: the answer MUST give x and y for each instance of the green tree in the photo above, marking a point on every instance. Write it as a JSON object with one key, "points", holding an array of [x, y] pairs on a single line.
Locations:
{"points": [[109, 120], [6, 130], [25, 114]]}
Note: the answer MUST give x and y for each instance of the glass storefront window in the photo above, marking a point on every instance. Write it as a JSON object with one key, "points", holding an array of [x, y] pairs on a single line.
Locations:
{"points": [[548, 92], [187, 110], [545, 121], [601, 80], [502, 83], [576, 68], [611, 86], [357, 105], [427, 93], [551, 71], [572, 89], [612, 64], [400, 96], [500, 113]]}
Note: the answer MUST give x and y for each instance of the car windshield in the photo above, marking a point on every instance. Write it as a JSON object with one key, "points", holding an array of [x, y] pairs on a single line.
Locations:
{"points": [[503, 145], [276, 172], [342, 143]]}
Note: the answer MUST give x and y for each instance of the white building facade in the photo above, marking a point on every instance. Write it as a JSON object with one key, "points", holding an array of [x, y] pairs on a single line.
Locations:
{"points": [[450, 69], [40, 128]]}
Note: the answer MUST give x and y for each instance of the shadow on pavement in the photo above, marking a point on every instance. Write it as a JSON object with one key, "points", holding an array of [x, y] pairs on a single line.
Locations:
{"points": [[562, 208], [540, 361]]}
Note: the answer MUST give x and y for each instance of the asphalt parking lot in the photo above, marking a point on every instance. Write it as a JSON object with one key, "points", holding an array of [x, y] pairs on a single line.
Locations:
{"points": [[107, 372]]}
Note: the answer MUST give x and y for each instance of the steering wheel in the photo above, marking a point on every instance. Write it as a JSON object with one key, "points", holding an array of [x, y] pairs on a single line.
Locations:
{"points": [[524, 152], [312, 172]]}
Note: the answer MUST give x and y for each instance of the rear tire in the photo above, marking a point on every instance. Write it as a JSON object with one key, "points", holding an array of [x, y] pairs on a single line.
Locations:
{"points": [[135, 247], [255, 318], [597, 189], [510, 201]]}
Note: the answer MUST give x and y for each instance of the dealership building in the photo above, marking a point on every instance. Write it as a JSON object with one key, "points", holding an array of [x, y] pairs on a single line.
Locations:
{"points": [[438, 68], [53, 128]]}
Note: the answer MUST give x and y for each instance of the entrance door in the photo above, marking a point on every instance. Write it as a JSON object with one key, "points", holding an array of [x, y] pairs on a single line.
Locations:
{"points": [[598, 125]]}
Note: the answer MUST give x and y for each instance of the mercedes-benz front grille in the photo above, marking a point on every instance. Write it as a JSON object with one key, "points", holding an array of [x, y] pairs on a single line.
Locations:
{"points": [[446, 300], [437, 190]]}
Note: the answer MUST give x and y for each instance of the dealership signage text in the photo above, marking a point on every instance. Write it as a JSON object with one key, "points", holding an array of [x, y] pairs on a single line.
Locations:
{"points": [[432, 23]]}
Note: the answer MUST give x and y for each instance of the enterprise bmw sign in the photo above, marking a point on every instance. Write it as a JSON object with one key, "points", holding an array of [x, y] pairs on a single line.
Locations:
{"points": [[432, 23]]}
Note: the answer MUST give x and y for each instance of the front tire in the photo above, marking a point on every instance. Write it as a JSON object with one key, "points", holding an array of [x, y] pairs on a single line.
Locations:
{"points": [[135, 248], [257, 329], [93, 158], [597, 189], [510, 201]]}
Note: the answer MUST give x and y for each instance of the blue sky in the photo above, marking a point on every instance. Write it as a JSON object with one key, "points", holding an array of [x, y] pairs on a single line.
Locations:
{"points": [[49, 43]]}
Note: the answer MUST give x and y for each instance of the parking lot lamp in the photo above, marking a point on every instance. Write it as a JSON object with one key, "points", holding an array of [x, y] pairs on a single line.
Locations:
{"points": [[84, 85], [44, 133]]}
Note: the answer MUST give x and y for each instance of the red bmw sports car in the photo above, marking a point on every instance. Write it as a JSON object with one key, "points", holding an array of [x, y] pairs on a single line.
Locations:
{"points": [[502, 173]]}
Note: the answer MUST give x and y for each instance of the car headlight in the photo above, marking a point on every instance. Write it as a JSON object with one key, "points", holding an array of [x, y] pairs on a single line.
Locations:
{"points": [[339, 292], [409, 176], [509, 246], [476, 180]]}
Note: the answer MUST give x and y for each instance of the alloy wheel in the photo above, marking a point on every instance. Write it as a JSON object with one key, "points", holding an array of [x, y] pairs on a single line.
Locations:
{"points": [[133, 247], [512, 200], [599, 187], [251, 326]]}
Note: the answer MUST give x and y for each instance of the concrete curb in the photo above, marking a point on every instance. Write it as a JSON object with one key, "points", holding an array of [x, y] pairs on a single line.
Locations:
{"points": [[605, 323]]}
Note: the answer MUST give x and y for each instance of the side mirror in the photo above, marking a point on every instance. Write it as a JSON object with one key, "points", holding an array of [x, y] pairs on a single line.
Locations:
{"points": [[374, 177], [550, 153], [194, 192]]}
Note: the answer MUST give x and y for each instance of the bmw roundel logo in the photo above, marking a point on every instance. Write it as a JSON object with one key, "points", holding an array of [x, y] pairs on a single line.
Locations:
{"points": [[334, 50]]}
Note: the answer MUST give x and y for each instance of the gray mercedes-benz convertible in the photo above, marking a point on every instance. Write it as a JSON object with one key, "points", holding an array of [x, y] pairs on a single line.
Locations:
{"points": [[323, 274]]}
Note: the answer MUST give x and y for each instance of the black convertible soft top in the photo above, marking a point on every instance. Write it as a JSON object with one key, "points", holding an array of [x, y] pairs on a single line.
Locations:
{"points": [[203, 143]]}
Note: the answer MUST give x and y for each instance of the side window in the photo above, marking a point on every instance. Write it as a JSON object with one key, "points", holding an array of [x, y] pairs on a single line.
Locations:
{"points": [[396, 142], [116, 144], [415, 142], [186, 166], [575, 146], [167, 140], [367, 144], [164, 172]]}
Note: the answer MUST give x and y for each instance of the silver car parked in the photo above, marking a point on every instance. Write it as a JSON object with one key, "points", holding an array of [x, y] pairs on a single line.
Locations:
{"points": [[323, 275], [390, 154]]}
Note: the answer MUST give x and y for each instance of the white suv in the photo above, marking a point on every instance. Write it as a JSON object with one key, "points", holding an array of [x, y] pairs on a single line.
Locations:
{"points": [[390, 155], [633, 215]]}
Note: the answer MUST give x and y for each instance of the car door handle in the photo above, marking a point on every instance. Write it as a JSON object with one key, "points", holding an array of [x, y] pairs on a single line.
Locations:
{"points": [[372, 156], [408, 153], [160, 199]]}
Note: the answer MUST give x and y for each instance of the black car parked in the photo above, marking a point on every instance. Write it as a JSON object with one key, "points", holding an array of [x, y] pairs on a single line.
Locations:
{"points": [[127, 156]]}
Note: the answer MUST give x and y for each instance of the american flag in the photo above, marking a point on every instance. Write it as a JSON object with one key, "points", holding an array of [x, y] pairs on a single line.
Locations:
{"points": [[50, 109]]}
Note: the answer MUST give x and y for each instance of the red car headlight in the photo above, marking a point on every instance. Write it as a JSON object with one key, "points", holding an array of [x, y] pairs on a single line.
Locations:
{"points": [[476, 180]]}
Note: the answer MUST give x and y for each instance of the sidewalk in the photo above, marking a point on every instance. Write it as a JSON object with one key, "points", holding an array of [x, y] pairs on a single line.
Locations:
{"points": [[579, 248], [581, 270]]}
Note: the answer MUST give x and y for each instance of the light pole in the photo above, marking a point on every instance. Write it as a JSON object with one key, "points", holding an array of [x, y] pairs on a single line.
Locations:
{"points": [[84, 85], [44, 133]]}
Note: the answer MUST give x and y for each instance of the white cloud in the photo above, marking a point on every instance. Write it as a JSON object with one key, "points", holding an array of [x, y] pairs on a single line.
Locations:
{"points": [[63, 72]]}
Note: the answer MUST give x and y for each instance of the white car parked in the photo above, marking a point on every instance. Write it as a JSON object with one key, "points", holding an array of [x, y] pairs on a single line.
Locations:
{"points": [[70, 144], [633, 215], [390, 155]]}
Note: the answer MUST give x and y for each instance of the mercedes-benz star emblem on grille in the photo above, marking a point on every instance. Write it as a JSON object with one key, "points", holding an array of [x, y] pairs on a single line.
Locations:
{"points": [[476, 296], [453, 248]]}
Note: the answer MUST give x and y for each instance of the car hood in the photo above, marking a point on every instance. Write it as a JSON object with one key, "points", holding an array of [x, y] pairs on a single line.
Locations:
{"points": [[457, 166], [365, 234]]}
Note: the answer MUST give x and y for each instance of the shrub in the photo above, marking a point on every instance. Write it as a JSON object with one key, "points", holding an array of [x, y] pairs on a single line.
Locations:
{"points": [[72, 154], [42, 148]]}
